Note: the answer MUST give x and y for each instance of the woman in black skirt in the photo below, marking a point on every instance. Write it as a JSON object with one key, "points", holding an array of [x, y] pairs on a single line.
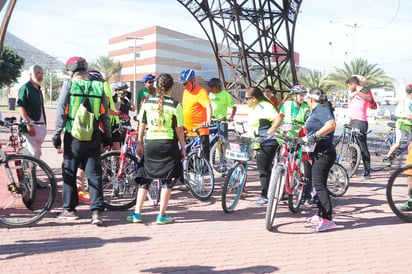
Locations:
{"points": [[162, 126]]}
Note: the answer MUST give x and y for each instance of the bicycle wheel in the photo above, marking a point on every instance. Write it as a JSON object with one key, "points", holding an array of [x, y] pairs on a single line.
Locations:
{"points": [[218, 159], [399, 184], [153, 193], [275, 193], [349, 158], [118, 176], [297, 185], [378, 151], [198, 176], [233, 187], [338, 180], [33, 194]]}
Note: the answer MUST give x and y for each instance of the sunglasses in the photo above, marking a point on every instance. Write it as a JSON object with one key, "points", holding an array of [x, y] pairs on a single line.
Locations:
{"points": [[185, 84], [248, 98], [150, 82]]}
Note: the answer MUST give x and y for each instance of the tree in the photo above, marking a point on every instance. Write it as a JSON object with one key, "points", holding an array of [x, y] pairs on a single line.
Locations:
{"points": [[375, 77], [10, 66], [107, 66], [314, 79]]}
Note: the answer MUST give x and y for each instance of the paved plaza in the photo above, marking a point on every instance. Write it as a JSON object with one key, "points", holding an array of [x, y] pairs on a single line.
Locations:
{"points": [[369, 238]]}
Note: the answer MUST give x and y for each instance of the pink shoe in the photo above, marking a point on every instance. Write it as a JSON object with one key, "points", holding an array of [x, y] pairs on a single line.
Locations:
{"points": [[314, 220], [325, 225]]}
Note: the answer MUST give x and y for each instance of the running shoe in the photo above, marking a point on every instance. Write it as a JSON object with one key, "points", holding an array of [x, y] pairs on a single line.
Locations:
{"points": [[324, 225], [314, 220], [134, 217], [97, 218], [261, 201], [407, 206], [387, 161], [84, 197], [68, 215], [165, 219]]}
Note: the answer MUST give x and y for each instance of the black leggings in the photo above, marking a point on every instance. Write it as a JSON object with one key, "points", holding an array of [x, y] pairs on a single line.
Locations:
{"points": [[264, 159], [322, 162], [362, 140]]}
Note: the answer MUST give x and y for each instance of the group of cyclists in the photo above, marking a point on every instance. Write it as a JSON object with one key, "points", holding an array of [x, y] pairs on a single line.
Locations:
{"points": [[163, 120]]}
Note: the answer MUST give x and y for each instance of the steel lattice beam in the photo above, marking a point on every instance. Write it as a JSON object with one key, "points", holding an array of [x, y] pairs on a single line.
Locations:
{"points": [[253, 38]]}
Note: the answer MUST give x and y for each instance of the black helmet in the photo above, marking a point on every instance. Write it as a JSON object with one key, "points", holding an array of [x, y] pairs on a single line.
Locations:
{"points": [[76, 63], [214, 82], [94, 75], [120, 86]]}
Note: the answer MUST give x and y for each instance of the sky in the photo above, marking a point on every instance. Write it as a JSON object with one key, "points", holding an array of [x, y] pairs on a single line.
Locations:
{"points": [[328, 32]]}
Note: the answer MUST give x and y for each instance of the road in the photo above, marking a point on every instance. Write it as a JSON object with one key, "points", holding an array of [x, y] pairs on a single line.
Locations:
{"points": [[204, 239]]}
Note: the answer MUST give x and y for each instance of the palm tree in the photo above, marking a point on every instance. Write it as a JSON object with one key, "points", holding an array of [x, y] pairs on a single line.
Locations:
{"points": [[375, 77], [315, 78], [107, 66]]}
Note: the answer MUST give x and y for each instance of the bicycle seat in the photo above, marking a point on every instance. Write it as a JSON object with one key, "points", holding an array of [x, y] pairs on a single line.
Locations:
{"points": [[10, 120], [391, 124]]}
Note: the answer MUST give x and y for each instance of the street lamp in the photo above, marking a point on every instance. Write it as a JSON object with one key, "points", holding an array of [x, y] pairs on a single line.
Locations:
{"points": [[135, 55]]}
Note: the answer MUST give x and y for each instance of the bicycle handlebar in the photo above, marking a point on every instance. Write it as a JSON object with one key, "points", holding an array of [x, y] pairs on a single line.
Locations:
{"points": [[7, 123]]}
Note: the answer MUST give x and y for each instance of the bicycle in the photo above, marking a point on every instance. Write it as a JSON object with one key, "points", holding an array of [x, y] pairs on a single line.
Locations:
{"points": [[119, 172], [288, 176], [22, 202], [348, 152], [397, 189], [218, 143], [197, 171], [384, 142], [238, 151]]}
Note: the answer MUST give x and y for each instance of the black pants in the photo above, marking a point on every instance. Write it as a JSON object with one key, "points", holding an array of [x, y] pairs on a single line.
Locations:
{"points": [[204, 142], [88, 155], [362, 140], [264, 159], [321, 164]]}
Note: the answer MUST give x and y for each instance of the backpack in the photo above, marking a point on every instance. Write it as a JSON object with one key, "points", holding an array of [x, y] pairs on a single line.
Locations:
{"points": [[85, 122]]}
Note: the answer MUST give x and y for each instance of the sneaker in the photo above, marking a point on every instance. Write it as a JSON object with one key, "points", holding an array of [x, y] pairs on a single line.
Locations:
{"points": [[134, 217], [97, 218], [68, 215], [314, 220], [387, 161], [325, 224], [165, 219], [261, 201], [366, 175], [84, 197], [407, 206]]}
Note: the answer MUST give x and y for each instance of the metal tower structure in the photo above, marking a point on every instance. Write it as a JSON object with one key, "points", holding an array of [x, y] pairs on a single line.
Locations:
{"points": [[252, 39]]}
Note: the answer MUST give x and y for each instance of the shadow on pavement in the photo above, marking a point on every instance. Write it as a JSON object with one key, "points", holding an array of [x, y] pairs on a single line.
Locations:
{"points": [[209, 269]]}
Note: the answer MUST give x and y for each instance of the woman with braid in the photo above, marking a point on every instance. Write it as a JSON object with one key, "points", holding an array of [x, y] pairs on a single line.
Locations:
{"points": [[161, 123]]}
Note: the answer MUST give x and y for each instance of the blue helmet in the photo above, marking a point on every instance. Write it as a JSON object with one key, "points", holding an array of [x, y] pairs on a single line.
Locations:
{"points": [[186, 75]]}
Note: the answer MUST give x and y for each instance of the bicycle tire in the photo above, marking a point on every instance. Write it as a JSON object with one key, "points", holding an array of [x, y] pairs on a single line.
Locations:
{"points": [[397, 192], [19, 206], [153, 193], [233, 187], [338, 180], [378, 150], [275, 193], [119, 193], [297, 185], [350, 158], [198, 176], [218, 159]]}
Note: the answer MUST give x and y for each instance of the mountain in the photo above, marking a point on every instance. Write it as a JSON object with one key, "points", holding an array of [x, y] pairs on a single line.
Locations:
{"points": [[31, 54]]}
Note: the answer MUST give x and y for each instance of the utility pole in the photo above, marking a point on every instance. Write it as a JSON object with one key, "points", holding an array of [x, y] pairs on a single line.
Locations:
{"points": [[50, 60], [134, 62], [354, 26]]}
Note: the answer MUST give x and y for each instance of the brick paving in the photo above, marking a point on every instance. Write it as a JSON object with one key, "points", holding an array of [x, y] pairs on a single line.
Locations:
{"points": [[369, 238]]}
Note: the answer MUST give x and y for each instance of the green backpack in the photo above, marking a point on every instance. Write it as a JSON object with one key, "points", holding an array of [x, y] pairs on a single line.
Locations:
{"points": [[84, 123]]}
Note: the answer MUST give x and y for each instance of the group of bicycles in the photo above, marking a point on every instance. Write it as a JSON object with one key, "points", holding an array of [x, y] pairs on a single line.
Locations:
{"points": [[29, 186]]}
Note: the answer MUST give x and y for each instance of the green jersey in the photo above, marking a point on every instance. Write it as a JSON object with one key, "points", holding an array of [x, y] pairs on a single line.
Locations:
{"points": [[172, 117], [220, 103]]}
